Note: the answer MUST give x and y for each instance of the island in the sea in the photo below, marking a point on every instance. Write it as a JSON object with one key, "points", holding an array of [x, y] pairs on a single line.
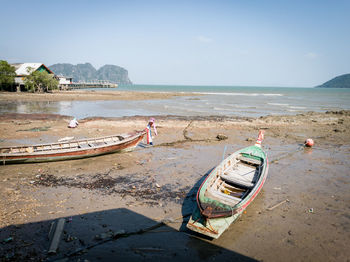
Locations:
{"points": [[342, 81]]}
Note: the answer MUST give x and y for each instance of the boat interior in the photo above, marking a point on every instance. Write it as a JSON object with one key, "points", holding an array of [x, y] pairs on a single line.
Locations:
{"points": [[235, 179], [84, 144]]}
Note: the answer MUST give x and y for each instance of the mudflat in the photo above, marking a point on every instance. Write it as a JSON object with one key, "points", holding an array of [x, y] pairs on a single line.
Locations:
{"points": [[87, 95], [134, 206]]}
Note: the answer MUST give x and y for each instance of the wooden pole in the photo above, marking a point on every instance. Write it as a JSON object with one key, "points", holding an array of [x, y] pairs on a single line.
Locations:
{"points": [[57, 236]]}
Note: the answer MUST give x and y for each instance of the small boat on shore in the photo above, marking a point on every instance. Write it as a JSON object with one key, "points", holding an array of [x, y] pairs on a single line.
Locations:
{"points": [[71, 149], [229, 189]]}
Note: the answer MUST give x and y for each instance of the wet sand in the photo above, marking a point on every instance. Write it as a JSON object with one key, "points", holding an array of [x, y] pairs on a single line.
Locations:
{"points": [[87, 95], [128, 192]]}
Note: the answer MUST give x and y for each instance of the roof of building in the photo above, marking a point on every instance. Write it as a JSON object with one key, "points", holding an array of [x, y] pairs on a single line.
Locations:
{"points": [[22, 68]]}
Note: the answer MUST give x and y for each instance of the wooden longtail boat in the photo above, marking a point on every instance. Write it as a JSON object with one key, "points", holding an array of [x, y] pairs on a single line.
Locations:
{"points": [[229, 189], [72, 149]]}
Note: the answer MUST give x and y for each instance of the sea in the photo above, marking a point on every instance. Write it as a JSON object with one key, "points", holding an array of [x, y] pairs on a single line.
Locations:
{"points": [[230, 101]]}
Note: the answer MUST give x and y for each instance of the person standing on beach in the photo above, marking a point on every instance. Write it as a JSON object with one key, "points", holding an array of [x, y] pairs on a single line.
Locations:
{"points": [[149, 132]]}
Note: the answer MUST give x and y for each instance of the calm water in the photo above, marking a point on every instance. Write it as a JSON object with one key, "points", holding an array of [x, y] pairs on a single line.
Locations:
{"points": [[214, 100]]}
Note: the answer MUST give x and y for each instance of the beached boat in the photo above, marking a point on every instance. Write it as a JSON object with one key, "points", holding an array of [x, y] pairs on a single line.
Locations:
{"points": [[71, 149], [229, 189]]}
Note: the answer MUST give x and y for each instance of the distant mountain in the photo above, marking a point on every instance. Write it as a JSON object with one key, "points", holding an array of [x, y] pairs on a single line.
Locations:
{"points": [[86, 72], [342, 81]]}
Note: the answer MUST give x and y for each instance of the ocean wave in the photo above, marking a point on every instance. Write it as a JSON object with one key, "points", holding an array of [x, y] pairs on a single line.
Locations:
{"points": [[277, 104], [236, 94], [297, 107], [222, 109]]}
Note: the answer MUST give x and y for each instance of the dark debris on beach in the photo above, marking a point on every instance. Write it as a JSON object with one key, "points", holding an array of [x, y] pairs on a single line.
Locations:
{"points": [[145, 190]]}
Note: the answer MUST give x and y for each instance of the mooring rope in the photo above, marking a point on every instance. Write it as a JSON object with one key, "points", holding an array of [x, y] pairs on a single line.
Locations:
{"points": [[288, 154]]}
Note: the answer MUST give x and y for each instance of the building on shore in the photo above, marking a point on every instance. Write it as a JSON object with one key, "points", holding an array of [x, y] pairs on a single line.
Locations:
{"points": [[64, 83], [25, 69]]}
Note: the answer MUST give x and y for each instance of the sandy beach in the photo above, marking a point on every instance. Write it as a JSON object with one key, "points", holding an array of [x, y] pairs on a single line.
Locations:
{"points": [[127, 194]]}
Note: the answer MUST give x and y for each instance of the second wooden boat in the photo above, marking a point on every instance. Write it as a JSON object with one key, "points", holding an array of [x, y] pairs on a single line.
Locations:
{"points": [[229, 189], [72, 149]]}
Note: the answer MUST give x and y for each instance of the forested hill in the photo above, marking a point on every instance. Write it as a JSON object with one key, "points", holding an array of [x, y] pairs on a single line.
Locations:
{"points": [[342, 81], [86, 72]]}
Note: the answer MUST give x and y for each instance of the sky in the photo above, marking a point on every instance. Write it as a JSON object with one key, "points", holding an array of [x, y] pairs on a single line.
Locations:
{"points": [[245, 42]]}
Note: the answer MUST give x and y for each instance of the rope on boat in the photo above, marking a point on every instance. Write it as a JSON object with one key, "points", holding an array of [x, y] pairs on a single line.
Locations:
{"points": [[212, 230], [211, 227]]}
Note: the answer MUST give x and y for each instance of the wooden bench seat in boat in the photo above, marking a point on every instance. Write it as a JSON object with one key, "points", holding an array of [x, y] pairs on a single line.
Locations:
{"points": [[248, 160], [225, 193], [244, 173]]}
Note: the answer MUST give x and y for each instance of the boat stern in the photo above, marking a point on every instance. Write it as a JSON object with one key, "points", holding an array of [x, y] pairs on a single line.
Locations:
{"points": [[213, 227]]}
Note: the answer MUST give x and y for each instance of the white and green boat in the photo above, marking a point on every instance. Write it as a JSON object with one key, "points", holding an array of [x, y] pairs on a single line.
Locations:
{"points": [[229, 189]]}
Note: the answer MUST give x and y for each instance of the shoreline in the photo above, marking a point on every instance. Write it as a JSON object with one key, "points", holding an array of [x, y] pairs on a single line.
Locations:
{"points": [[89, 95]]}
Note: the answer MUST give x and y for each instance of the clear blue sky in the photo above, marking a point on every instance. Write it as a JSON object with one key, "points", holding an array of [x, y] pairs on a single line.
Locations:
{"points": [[263, 43]]}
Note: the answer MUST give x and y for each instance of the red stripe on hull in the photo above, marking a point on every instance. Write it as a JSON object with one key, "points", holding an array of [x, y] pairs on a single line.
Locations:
{"points": [[75, 154]]}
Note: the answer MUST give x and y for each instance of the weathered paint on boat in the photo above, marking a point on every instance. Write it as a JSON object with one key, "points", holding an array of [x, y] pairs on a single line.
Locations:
{"points": [[71, 150], [214, 224]]}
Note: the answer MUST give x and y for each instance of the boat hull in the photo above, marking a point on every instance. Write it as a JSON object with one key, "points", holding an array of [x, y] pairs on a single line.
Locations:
{"points": [[76, 153], [213, 225]]}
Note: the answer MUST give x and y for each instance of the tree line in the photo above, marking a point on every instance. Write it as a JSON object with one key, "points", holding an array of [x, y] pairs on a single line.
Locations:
{"points": [[35, 81]]}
